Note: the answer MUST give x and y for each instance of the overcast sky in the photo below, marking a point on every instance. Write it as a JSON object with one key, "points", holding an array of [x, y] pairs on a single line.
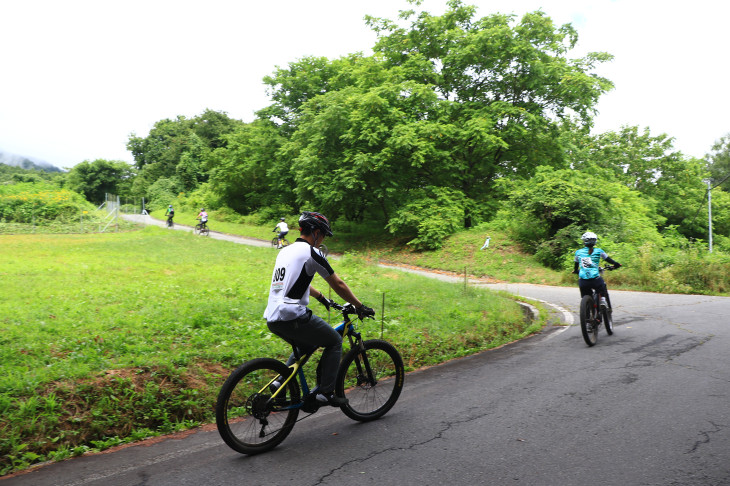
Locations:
{"points": [[78, 76]]}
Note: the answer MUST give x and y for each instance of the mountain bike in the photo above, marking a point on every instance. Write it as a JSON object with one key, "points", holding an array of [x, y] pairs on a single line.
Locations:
{"points": [[260, 401], [275, 242], [169, 222], [201, 229], [593, 315]]}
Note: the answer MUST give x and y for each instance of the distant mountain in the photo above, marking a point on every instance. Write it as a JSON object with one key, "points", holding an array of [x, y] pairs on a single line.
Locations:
{"points": [[26, 162]]}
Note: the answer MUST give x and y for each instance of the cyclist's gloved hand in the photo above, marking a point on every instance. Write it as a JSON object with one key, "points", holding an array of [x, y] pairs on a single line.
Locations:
{"points": [[364, 311], [325, 301]]}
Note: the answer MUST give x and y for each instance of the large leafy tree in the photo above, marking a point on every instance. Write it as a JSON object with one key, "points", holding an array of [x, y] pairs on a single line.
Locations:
{"points": [[448, 102], [509, 87], [176, 150], [96, 178]]}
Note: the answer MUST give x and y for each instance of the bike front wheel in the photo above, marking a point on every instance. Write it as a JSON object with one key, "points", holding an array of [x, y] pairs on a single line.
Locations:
{"points": [[371, 380], [275, 242], [607, 319], [588, 320], [196, 230], [248, 419]]}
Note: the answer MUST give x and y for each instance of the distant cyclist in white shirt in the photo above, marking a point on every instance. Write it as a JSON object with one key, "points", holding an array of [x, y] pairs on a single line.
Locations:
{"points": [[203, 217], [287, 314], [283, 230]]}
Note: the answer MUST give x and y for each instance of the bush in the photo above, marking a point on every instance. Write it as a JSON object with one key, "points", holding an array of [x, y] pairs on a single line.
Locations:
{"points": [[432, 215], [37, 203], [162, 193]]}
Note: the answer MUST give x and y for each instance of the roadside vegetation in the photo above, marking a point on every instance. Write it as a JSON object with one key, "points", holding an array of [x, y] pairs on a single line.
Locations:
{"points": [[659, 265], [111, 338], [33, 205]]}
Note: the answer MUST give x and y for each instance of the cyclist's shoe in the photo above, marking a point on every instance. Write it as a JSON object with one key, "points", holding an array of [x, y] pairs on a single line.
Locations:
{"points": [[280, 400], [603, 302], [310, 403], [331, 400]]}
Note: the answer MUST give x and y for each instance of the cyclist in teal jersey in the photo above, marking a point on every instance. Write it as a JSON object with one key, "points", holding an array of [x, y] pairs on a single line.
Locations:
{"points": [[587, 261]]}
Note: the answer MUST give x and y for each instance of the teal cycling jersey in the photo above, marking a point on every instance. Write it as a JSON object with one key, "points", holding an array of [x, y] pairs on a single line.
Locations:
{"points": [[588, 263]]}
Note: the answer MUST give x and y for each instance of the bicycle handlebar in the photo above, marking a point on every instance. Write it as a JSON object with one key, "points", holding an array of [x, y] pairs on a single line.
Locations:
{"points": [[346, 309]]}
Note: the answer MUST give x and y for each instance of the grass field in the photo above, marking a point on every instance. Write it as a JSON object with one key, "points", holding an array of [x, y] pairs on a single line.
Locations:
{"points": [[110, 338]]}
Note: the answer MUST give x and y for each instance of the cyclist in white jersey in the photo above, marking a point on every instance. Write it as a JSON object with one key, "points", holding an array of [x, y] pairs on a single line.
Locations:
{"points": [[283, 229], [287, 314]]}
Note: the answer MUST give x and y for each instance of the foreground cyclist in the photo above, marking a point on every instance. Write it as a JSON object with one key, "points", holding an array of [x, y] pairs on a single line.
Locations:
{"points": [[287, 314], [587, 262]]}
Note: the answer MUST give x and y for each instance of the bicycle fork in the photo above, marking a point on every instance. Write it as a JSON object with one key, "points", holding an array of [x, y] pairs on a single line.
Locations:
{"points": [[361, 359]]}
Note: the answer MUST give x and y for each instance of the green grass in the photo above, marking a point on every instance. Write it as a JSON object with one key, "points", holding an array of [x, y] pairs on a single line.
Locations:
{"points": [[110, 338]]}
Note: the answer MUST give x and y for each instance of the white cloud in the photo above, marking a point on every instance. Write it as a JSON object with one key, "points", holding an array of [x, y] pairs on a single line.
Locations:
{"points": [[79, 76]]}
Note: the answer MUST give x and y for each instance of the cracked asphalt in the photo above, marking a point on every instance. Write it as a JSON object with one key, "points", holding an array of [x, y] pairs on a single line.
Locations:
{"points": [[649, 405]]}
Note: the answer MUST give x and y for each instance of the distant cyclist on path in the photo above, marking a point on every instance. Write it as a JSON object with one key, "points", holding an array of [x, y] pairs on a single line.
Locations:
{"points": [[170, 214], [287, 314], [283, 229], [203, 217]]}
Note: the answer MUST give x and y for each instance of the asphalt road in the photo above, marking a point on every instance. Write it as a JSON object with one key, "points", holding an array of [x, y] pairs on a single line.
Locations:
{"points": [[646, 406]]}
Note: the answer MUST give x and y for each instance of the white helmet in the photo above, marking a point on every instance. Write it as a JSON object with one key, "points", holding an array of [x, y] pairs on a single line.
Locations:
{"points": [[589, 238]]}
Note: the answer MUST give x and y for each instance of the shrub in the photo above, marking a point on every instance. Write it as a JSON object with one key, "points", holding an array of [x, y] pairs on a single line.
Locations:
{"points": [[431, 215], [29, 202]]}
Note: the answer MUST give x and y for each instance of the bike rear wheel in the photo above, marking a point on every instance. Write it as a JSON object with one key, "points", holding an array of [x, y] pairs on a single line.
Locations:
{"points": [[247, 419], [205, 231], [371, 380], [588, 320]]}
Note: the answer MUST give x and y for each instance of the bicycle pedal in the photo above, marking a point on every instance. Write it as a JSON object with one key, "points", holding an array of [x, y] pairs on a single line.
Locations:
{"points": [[310, 404]]}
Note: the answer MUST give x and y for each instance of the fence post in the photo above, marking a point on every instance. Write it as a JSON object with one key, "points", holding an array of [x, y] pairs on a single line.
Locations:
{"points": [[382, 317]]}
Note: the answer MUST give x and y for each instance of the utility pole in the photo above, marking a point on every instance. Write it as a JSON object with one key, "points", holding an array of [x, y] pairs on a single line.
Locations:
{"points": [[709, 211]]}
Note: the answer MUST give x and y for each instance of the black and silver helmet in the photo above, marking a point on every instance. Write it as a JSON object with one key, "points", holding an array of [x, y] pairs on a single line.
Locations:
{"points": [[312, 221]]}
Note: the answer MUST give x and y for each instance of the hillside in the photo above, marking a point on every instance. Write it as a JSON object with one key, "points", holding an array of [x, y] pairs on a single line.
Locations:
{"points": [[24, 162]]}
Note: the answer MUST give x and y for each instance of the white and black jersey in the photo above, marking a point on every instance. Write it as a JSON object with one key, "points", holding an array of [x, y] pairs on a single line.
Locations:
{"points": [[294, 270]]}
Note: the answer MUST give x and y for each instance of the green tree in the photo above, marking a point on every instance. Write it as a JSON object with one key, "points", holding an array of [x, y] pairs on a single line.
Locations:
{"points": [[718, 163], [450, 101], [670, 181], [509, 88], [245, 172], [177, 150], [550, 211], [96, 178]]}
